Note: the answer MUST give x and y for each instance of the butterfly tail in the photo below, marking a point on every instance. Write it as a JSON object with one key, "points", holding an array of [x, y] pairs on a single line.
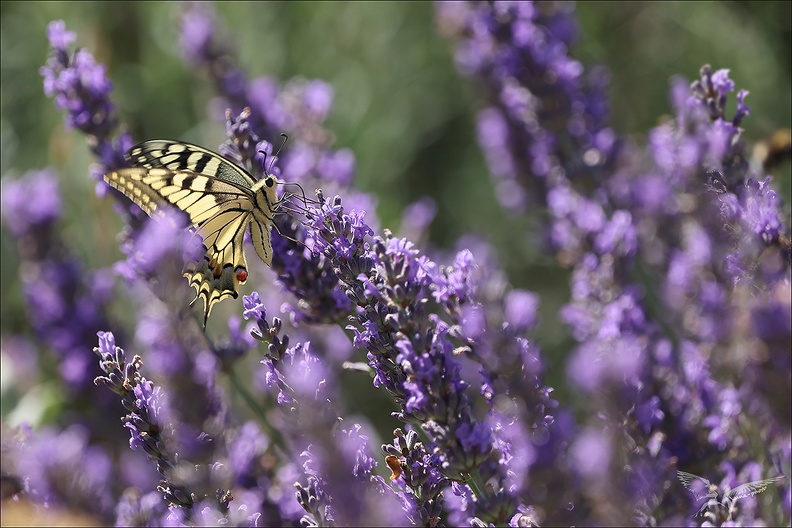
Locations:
{"points": [[206, 308]]}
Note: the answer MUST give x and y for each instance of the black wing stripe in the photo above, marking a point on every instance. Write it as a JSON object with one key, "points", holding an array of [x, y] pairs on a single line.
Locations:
{"points": [[198, 215], [179, 156], [201, 164], [215, 231], [196, 202], [177, 195], [219, 199]]}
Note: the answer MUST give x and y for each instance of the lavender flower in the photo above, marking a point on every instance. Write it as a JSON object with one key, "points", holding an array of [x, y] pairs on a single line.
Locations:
{"points": [[341, 487], [149, 416], [418, 476], [81, 88], [65, 306], [61, 469], [678, 308], [298, 108], [410, 349], [489, 323], [155, 429], [135, 509], [642, 245], [31, 203], [545, 108], [299, 270]]}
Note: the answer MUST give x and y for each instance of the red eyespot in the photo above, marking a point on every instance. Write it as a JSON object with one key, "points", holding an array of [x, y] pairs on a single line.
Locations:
{"points": [[241, 275], [218, 271]]}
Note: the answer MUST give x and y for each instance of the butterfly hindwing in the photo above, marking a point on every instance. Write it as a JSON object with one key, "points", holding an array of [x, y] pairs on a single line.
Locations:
{"points": [[220, 199], [223, 267]]}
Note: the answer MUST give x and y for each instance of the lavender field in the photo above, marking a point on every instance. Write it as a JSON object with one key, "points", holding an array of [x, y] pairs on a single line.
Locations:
{"points": [[539, 275]]}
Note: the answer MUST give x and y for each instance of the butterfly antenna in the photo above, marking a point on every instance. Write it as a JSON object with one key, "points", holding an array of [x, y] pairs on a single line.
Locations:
{"points": [[274, 156], [264, 161], [272, 163], [285, 139]]}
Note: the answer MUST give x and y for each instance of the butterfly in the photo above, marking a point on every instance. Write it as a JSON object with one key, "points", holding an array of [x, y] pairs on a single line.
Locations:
{"points": [[702, 488], [221, 200]]}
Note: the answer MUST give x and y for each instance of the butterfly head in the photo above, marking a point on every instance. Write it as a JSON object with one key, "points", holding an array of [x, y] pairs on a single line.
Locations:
{"points": [[265, 191]]}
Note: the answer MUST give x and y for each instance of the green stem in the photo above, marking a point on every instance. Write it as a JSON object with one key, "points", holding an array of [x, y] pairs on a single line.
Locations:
{"points": [[473, 479], [277, 437]]}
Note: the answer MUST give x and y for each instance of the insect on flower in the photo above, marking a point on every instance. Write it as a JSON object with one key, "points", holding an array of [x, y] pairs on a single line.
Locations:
{"points": [[394, 465], [221, 200], [702, 488]]}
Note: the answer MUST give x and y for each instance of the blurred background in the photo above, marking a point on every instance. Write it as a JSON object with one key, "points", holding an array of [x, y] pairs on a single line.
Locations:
{"points": [[399, 105]]}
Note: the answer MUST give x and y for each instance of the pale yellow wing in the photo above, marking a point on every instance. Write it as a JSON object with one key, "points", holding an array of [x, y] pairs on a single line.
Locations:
{"points": [[219, 211], [219, 197]]}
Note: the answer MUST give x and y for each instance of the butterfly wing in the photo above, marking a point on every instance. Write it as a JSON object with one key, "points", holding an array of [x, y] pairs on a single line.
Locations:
{"points": [[223, 267], [179, 156], [219, 211], [752, 488], [700, 487]]}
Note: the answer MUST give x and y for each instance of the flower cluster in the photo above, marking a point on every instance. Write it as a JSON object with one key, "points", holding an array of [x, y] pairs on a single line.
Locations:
{"points": [[678, 313], [148, 415], [410, 348], [66, 304], [419, 481], [663, 252], [80, 87], [341, 487]]}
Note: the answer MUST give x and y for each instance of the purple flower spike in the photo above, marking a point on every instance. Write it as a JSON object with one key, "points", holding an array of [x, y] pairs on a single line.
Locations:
{"points": [[32, 203], [674, 357], [80, 86], [66, 306], [664, 247], [146, 420], [411, 349]]}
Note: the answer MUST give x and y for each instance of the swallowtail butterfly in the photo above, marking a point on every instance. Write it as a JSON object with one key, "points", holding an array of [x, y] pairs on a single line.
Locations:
{"points": [[221, 200], [702, 488]]}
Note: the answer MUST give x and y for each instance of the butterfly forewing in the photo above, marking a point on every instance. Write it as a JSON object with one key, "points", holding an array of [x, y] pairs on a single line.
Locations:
{"points": [[753, 488], [220, 199], [178, 156]]}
